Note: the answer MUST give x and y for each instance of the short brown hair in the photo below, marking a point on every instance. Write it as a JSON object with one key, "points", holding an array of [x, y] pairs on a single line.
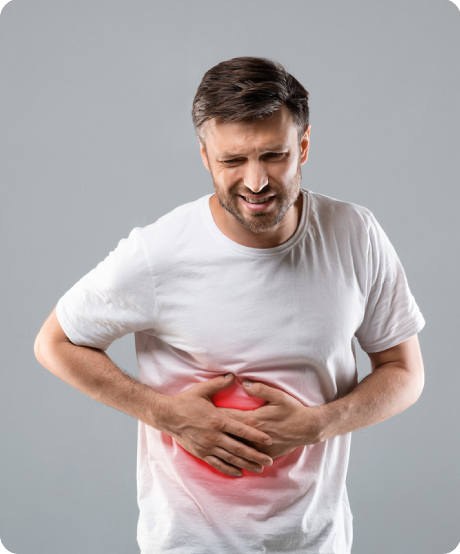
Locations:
{"points": [[243, 89]]}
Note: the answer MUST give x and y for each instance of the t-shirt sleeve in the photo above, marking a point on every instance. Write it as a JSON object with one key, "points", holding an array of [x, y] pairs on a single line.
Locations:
{"points": [[391, 314], [116, 298]]}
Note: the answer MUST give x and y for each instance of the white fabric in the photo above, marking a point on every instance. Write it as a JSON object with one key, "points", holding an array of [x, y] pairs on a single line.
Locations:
{"points": [[202, 305]]}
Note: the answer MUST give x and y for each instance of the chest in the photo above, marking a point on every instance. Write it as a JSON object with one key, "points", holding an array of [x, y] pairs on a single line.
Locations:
{"points": [[262, 312]]}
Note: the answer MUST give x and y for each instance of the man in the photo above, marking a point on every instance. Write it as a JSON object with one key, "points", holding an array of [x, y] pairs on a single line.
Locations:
{"points": [[245, 305]]}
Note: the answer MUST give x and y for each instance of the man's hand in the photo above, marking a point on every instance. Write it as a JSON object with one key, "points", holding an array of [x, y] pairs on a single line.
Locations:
{"points": [[190, 417], [199, 427], [395, 383], [288, 422]]}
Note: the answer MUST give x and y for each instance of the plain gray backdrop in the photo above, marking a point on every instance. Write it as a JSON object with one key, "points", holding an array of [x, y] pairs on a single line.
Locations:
{"points": [[96, 138]]}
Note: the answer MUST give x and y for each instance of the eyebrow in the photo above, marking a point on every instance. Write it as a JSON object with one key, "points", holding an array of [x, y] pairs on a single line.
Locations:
{"points": [[277, 148]]}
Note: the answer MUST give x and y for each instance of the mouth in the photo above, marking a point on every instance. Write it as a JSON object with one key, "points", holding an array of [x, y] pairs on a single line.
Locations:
{"points": [[256, 200], [257, 204]]}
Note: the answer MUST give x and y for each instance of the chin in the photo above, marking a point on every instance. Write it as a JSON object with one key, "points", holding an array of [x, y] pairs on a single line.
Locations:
{"points": [[258, 223]]}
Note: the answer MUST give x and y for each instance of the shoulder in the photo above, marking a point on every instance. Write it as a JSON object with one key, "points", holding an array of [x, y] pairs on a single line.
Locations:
{"points": [[174, 238], [337, 215], [177, 224], [328, 207]]}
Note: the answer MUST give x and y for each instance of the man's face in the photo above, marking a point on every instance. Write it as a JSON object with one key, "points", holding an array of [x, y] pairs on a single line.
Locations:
{"points": [[258, 159]]}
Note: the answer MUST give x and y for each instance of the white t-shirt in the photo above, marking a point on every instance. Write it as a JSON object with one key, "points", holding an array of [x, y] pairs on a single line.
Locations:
{"points": [[201, 305]]}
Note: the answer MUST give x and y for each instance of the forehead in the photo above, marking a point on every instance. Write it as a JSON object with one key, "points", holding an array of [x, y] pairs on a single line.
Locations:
{"points": [[241, 137]]}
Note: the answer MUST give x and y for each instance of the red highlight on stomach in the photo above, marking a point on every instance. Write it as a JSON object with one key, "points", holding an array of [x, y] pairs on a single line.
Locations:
{"points": [[237, 398], [234, 397]]}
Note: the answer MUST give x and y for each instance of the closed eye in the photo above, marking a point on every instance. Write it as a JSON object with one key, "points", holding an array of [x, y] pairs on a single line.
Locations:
{"points": [[234, 161], [269, 156], [274, 155]]}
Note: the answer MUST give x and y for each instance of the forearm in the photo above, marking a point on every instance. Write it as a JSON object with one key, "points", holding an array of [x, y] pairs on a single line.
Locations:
{"points": [[92, 372], [387, 391], [189, 417]]}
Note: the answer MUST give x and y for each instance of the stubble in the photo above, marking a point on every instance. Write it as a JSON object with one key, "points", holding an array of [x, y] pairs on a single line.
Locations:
{"points": [[258, 222]]}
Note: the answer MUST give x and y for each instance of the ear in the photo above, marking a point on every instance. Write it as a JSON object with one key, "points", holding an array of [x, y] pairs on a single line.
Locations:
{"points": [[204, 155], [305, 145]]}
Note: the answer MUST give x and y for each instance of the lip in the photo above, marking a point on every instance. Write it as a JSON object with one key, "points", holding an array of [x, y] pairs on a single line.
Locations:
{"points": [[257, 207]]}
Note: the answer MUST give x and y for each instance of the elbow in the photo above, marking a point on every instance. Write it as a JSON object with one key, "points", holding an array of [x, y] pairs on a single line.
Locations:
{"points": [[417, 385], [37, 349], [421, 386], [47, 338], [43, 349]]}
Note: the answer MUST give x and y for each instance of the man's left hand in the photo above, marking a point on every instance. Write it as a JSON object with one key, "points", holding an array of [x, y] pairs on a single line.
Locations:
{"points": [[286, 420]]}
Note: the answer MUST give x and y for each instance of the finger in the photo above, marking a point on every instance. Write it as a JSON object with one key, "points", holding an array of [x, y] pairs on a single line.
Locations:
{"points": [[221, 466], [239, 450], [238, 462], [244, 441], [239, 415], [210, 387], [270, 394], [245, 431]]}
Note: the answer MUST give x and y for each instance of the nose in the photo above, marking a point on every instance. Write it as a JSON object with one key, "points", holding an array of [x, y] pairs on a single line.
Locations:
{"points": [[255, 176]]}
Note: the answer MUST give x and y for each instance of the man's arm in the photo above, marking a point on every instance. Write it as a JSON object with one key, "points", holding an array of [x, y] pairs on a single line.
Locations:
{"points": [[190, 416], [395, 383]]}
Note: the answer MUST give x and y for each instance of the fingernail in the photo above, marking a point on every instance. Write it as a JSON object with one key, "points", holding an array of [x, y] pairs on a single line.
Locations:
{"points": [[247, 383], [258, 469], [228, 376], [267, 462]]}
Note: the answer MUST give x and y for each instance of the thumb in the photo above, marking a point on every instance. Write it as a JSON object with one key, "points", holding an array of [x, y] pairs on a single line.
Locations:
{"points": [[210, 387], [270, 394]]}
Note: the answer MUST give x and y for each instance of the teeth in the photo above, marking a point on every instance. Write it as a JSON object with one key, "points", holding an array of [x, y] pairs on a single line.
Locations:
{"points": [[258, 201]]}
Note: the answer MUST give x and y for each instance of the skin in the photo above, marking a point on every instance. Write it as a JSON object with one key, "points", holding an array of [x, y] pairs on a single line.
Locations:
{"points": [[245, 158], [231, 440]]}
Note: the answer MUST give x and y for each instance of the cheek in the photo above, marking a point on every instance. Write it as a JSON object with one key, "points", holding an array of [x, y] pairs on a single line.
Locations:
{"points": [[284, 174], [224, 178], [219, 171]]}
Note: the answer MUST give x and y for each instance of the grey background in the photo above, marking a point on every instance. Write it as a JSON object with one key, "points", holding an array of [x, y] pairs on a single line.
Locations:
{"points": [[96, 138]]}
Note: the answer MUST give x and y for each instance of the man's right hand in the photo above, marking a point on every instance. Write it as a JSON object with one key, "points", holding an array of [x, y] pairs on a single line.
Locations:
{"points": [[189, 417], [199, 427]]}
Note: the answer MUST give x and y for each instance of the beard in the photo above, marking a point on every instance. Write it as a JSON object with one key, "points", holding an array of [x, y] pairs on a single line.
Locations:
{"points": [[258, 222]]}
